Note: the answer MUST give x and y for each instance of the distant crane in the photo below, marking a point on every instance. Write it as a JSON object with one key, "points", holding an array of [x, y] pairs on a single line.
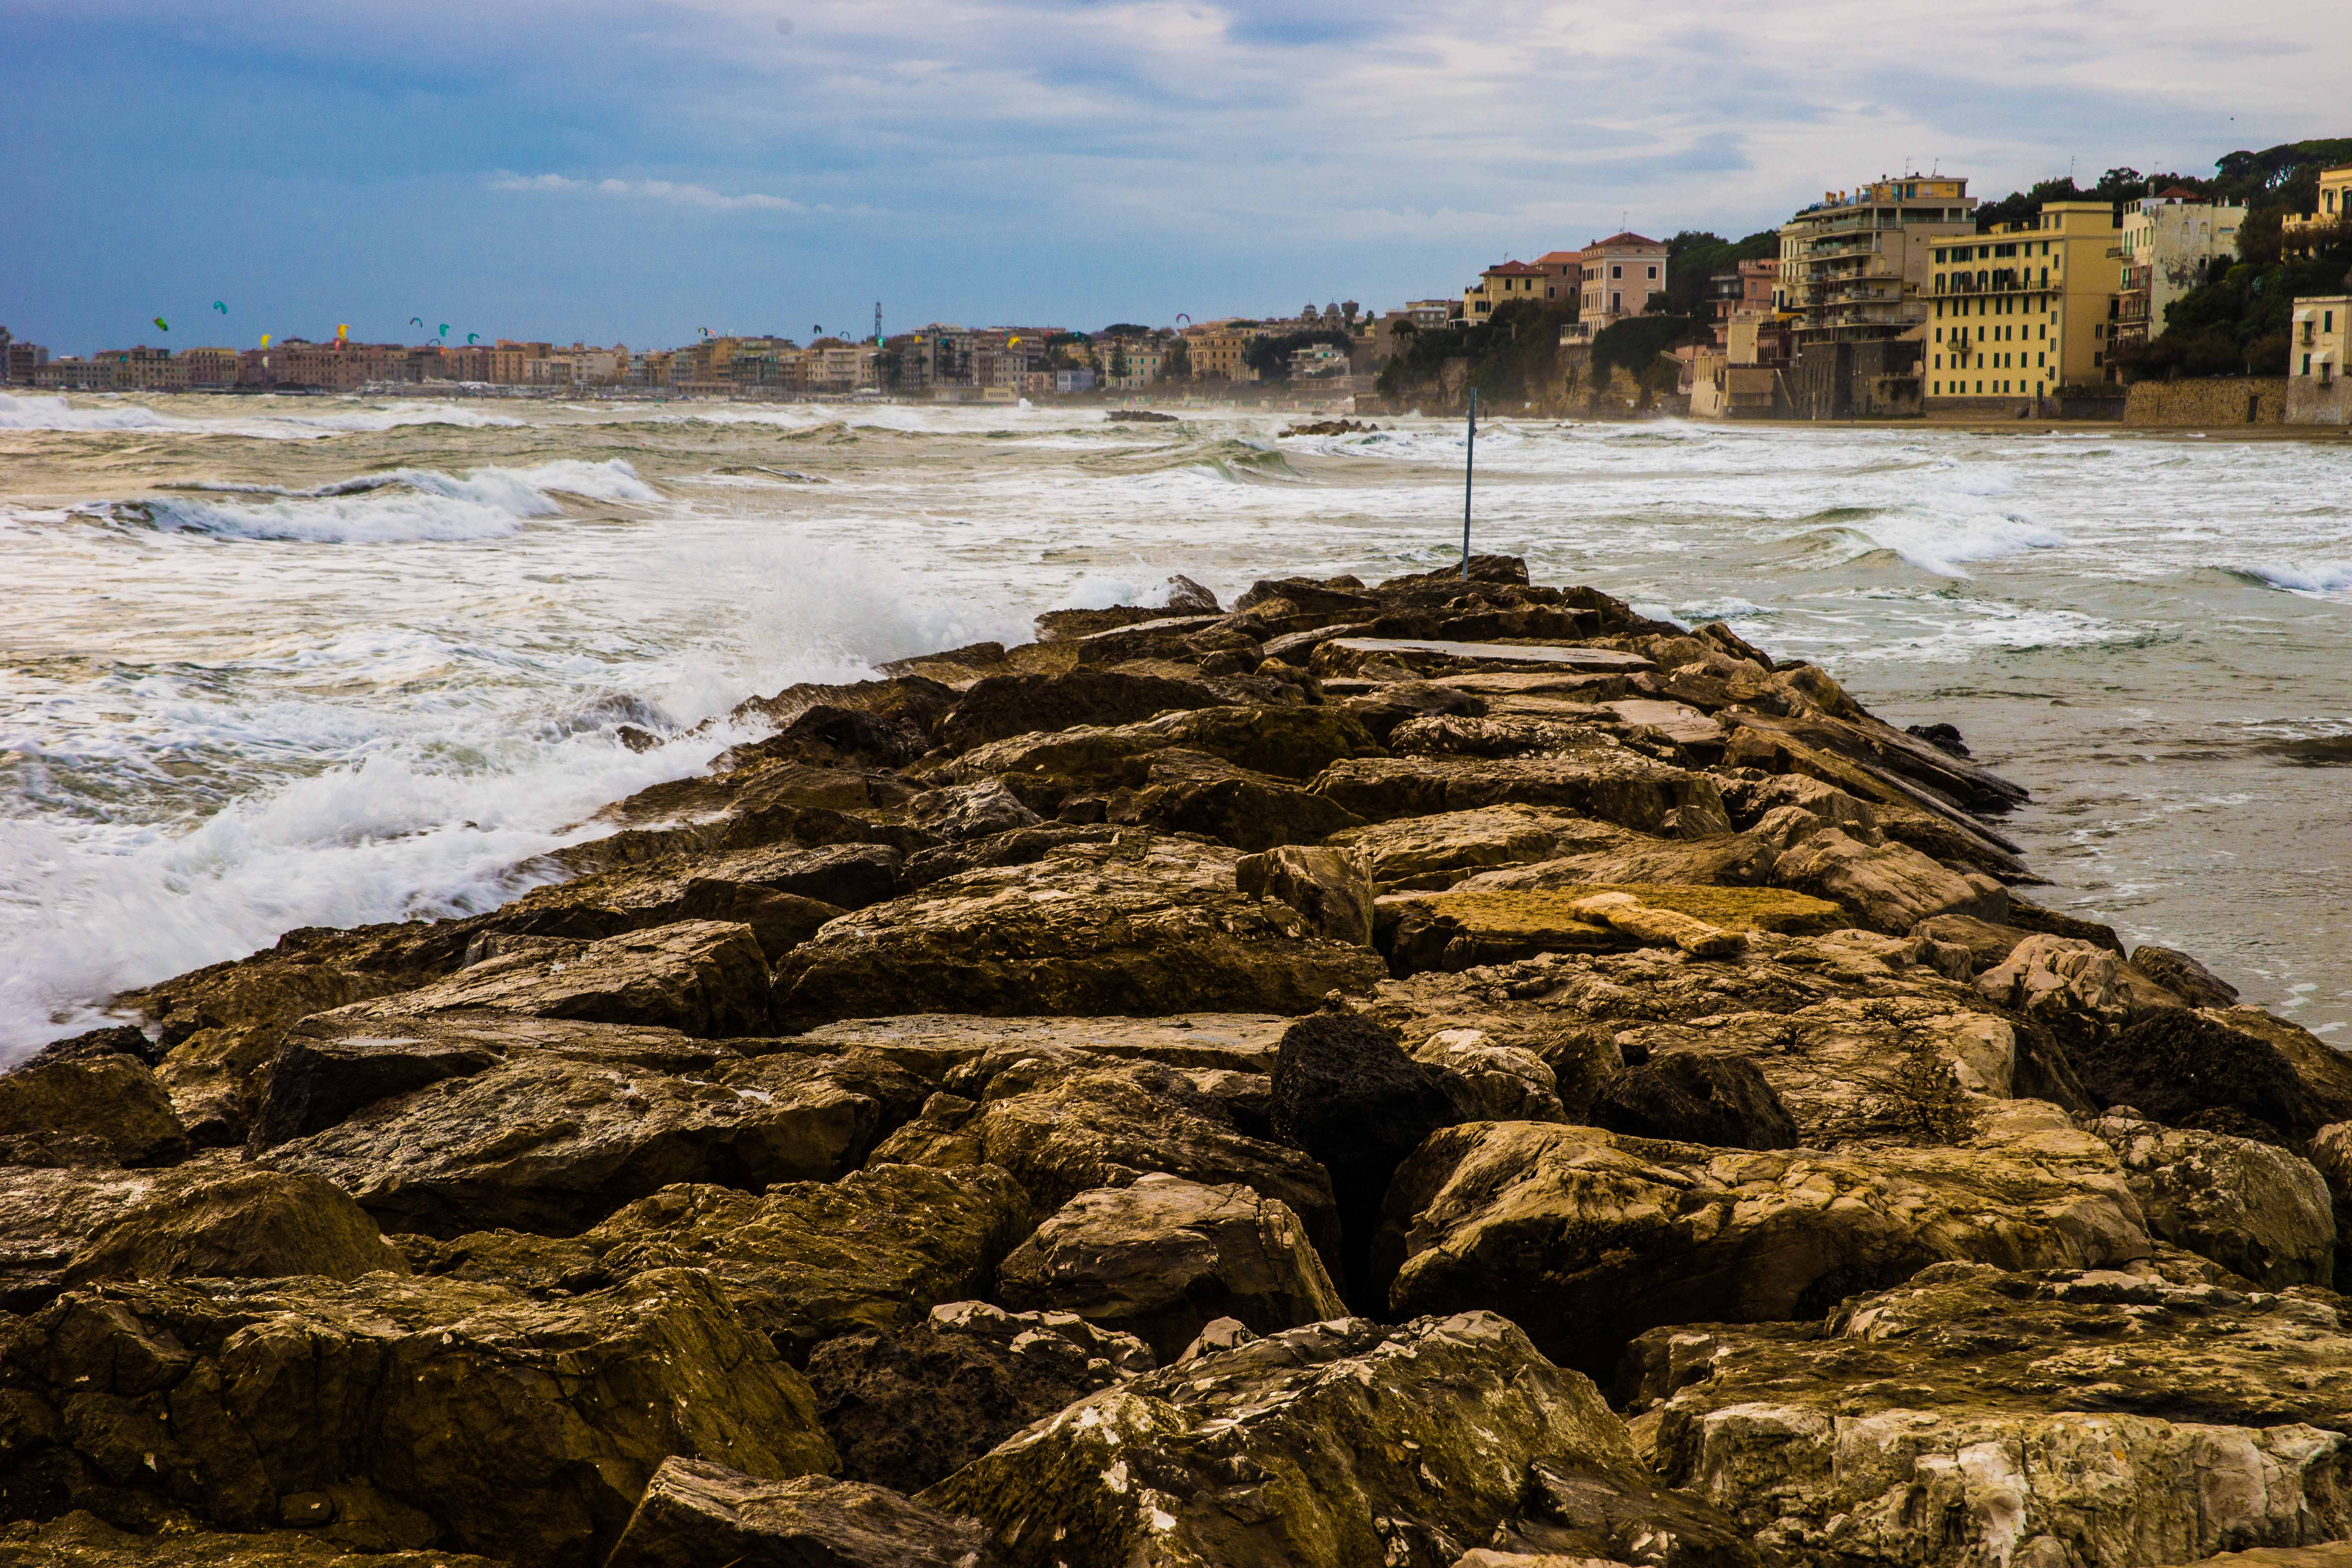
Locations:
{"points": [[877, 323]]}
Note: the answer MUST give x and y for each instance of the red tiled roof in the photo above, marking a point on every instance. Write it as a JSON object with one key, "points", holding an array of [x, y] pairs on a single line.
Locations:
{"points": [[1511, 269], [1627, 239], [1559, 257]]}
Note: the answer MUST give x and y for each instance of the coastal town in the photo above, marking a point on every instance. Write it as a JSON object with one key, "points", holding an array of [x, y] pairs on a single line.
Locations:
{"points": [[1898, 297]]}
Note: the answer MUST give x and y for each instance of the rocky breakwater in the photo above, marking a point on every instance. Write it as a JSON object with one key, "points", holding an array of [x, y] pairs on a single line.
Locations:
{"points": [[1441, 1073]]}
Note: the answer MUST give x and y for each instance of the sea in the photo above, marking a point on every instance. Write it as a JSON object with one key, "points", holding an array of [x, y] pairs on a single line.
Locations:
{"points": [[271, 662]]}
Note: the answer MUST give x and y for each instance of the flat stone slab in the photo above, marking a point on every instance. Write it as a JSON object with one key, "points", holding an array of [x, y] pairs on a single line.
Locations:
{"points": [[934, 1042], [1407, 648]]}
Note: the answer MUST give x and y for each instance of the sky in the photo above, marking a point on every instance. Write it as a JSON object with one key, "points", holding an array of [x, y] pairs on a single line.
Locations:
{"points": [[638, 170]]}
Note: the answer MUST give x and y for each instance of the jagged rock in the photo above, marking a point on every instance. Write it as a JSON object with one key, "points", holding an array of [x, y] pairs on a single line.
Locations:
{"points": [[1345, 1091], [335, 1063], [1019, 847], [1390, 704], [1696, 1096], [1331, 888], [696, 1514], [725, 889], [1752, 798], [115, 1040], [2187, 1070], [1973, 1416], [1325, 1446], [1987, 945], [2324, 1072], [963, 812], [1587, 1238], [103, 1109], [2056, 980], [932, 1044], [1736, 860], [554, 1139], [2258, 1211], [913, 1406], [1467, 1010], [81, 1540], [1286, 742], [1490, 1083], [1146, 924], [1163, 1258], [1426, 655], [1064, 1122], [806, 1261], [998, 707], [1434, 853], [1163, 638], [701, 977], [435, 1409], [1469, 927], [64, 1227], [1501, 736], [1192, 791], [1890, 887], [1608, 782], [2184, 976]]}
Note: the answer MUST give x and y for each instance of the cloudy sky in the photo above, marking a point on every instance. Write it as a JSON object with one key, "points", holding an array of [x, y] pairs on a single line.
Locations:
{"points": [[639, 169]]}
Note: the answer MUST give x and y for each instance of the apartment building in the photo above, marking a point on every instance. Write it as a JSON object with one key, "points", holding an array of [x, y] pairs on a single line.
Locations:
{"points": [[1131, 364], [18, 362], [1617, 277], [1498, 286], [1854, 266], [2021, 311], [211, 367], [2333, 214], [2171, 242], [1563, 274], [70, 373], [1219, 353], [2319, 348], [143, 369], [837, 369]]}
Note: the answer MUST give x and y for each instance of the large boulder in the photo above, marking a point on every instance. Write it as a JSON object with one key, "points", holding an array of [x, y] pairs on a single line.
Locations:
{"points": [[1471, 926], [1586, 1238], [1286, 742], [2130, 1418], [1889, 886], [932, 1044], [1696, 1096], [1346, 1092], [1163, 1258], [1331, 889], [998, 707], [1433, 853], [756, 888], [61, 1227], [2256, 1210], [555, 1138], [1606, 781], [697, 1514], [805, 1261], [1146, 924], [1192, 791], [426, 1410], [2190, 1069], [708, 978], [1064, 1122], [1325, 1446], [913, 1404], [101, 1109]]}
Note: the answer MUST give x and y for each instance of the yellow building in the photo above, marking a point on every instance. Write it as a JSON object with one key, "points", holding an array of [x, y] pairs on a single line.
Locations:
{"points": [[2021, 311], [1498, 286], [2335, 209], [1217, 354]]}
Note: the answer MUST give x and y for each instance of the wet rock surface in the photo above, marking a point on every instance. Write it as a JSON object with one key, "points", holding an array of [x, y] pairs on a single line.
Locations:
{"points": [[1200, 1089]]}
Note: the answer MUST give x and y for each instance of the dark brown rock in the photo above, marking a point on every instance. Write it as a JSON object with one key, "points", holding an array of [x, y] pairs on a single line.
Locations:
{"points": [[1164, 1258], [1145, 924], [446, 1410], [702, 977], [915, 1404], [696, 1514], [1345, 1091], [1696, 1096], [2184, 976], [101, 1109], [1610, 782], [81, 1540]]}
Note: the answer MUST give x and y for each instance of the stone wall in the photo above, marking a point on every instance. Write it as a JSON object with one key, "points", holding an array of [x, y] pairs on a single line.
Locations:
{"points": [[2308, 403], [2220, 400]]}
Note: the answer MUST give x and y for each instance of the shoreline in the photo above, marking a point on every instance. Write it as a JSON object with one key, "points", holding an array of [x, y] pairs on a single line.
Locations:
{"points": [[1463, 1009]]}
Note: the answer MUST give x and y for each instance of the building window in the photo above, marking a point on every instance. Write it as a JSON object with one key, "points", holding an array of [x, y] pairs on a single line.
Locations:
{"points": [[1616, 272], [1654, 272], [2307, 364]]}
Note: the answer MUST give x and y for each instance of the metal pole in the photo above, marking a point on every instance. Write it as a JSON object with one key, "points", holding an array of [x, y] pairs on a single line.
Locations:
{"points": [[1469, 462]]}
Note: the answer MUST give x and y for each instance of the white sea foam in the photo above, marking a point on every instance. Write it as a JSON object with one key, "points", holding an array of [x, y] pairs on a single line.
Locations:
{"points": [[2319, 579], [112, 414], [403, 506]]}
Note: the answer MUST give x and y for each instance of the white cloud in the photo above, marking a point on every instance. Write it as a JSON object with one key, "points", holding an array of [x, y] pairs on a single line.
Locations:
{"points": [[668, 190]]}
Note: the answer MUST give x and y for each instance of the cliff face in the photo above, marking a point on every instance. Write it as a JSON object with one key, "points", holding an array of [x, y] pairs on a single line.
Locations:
{"points": [[1443, 1073]]}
